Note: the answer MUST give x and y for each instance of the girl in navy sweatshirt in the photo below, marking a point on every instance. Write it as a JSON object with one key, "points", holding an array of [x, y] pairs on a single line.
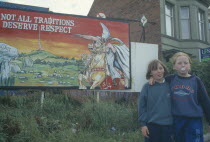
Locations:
{"points": [[189, 101]]}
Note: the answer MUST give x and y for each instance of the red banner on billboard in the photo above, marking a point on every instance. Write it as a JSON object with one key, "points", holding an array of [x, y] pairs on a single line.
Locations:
{"points": [[57, 50]]}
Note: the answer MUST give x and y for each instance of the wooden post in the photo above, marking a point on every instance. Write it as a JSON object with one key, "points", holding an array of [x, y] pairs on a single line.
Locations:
{"points": [[42, 99], [97, 97]]}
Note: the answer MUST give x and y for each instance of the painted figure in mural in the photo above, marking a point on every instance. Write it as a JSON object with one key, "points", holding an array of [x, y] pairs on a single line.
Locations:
{"points": [[108, 63]]}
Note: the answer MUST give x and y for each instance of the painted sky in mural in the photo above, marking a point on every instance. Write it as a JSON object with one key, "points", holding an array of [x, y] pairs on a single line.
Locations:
{"points": [[45, 41]]}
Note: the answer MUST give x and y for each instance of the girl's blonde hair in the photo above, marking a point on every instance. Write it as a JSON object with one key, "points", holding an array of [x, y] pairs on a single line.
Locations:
{"points": [[153, 65], [178, 54]]}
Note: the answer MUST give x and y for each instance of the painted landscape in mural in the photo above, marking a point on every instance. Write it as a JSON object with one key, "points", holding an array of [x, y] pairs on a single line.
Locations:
{"points": [[56, 50]]}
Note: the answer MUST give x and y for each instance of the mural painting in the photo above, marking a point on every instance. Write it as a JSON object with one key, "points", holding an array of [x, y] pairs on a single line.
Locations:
{"points": [[57, 50]]}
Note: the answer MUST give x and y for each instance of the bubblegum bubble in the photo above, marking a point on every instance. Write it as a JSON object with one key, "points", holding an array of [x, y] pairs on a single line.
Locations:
{"points": [[183, 69]]}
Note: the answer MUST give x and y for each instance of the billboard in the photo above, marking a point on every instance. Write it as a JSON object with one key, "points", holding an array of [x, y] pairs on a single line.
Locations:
{"points": [[58, 50], [205, 54], [141, 52]]}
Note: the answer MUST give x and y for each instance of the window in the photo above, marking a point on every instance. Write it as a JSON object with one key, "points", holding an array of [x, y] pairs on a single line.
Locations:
{"points": [[201, 24], [169, 15], [185, 22]]}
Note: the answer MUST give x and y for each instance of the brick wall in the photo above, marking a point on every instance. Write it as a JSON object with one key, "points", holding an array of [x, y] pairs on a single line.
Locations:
{"points": [[127, 9]]}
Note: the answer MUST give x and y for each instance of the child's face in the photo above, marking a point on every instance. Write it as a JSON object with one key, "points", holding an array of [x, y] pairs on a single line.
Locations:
{"points": [[182, 66], [158, 74]]}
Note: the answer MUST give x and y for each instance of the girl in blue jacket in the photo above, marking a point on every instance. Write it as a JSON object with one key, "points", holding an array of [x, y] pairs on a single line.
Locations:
{"points": [[155, 118]]}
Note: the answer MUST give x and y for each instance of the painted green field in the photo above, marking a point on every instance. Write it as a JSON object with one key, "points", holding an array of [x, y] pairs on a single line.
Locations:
{"points": [[46, 75], [41, 68]]}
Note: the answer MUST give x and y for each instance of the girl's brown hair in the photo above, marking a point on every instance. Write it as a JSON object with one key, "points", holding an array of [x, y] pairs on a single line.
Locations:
{"points": [[178, 54], [153, 65]]}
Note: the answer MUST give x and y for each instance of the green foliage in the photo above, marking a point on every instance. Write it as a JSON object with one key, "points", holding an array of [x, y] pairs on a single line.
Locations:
{"points": [[63, 118], [15, 101], [202, 70], [107, 116], [9, 128]]}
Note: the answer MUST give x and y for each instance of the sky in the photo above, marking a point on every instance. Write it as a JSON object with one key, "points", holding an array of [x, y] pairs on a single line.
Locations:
{"points": [[75, 7]]}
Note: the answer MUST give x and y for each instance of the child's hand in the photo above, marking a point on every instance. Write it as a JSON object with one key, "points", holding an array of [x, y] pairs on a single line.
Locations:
{"points": [[145, 131], [151, 81]]}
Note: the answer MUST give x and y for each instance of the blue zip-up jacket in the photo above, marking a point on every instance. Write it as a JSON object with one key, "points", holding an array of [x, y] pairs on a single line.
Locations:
{"points": [[189, 96]]}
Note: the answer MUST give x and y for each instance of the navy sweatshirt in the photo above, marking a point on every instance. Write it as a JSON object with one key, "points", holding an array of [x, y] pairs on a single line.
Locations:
{"points": [[155, 104], [189, 97]]}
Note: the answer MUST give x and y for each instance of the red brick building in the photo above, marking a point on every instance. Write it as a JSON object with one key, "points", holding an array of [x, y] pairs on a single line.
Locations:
{"points": [[175, 25], [132, 11]]}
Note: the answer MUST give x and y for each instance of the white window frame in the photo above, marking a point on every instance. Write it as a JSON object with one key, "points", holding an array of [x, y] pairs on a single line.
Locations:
{"points": [[169, 19], [185, 23], [201, 25]]}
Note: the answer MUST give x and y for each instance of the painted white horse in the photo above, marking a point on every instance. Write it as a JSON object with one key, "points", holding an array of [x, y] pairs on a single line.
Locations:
{"points": [[95, 72], [107, 58]]}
